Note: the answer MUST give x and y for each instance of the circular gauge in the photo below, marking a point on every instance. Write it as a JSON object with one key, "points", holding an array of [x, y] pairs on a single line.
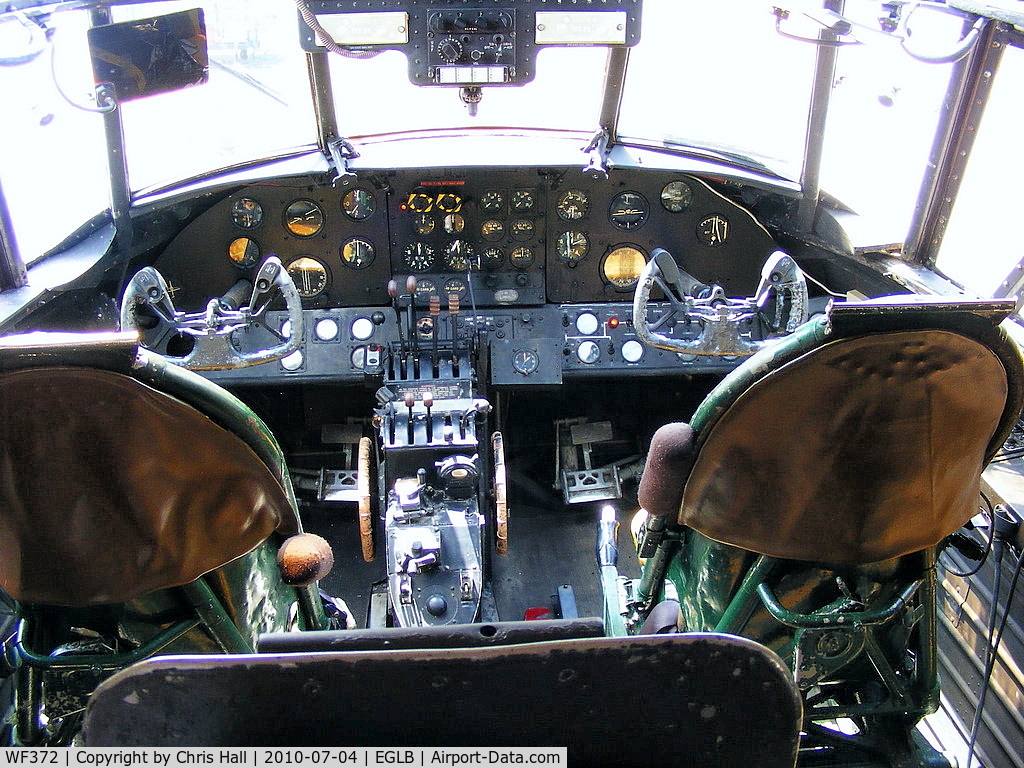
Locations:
{"points": [[359, 358], [423, 223], [492, 230], [571, 247], [449, 202], [303, 218], [357, 253], [622, 266], [246, 213], [525, 361], [358, 204], [492, 258], [492, 200], [523, 200], [458, 256], [419, 202], [455, 285], [521, 258], [454, 223], [572, 205], [676, 196], [309, 276], [628, 211], [424, 290], [713, 230], [244, 251], [521, 229], [418, 256]]}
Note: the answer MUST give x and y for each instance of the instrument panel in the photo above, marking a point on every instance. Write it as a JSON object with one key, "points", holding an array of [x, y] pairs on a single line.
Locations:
{"points": [[489, 238]]}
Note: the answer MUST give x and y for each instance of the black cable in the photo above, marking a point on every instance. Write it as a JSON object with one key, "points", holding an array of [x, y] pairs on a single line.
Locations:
{"points": [[988, 545], [995, 638]]}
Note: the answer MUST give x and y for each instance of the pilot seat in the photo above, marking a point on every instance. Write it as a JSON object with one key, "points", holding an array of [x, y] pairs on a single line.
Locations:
{"points": [[803, 504]]}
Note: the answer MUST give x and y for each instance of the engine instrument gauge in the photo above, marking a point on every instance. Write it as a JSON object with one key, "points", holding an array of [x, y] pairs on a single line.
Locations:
{"points": [[521, 257], [303, 218], [622, 266], [455, 285], [628, 211], [424, 290], [676, 196], [572, 246], [244, 252], [459, 256], [492, 201], [713, 230], [449, 202], [521, 229], [492, 230], [572, 205], [454, 223], [492, 258], [246, 213], [358, 204], [423, 223], [523, 200], [419, 202], [309, 276], [418, 256], [357, 253]]}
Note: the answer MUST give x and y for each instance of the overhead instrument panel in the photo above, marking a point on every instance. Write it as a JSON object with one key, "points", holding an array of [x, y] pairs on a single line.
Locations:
{"points": [[491, 42]]}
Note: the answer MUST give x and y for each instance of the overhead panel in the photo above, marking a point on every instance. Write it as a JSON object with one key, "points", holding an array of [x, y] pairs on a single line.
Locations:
{"points": [[492, 43]]}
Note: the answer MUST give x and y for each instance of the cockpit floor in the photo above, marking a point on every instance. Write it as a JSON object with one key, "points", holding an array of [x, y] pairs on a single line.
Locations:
{"points": [[548, 547]]}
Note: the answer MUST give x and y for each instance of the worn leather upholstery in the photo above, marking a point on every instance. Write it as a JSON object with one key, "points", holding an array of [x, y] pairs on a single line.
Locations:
{"points": [[111, 489], [852, 451]]}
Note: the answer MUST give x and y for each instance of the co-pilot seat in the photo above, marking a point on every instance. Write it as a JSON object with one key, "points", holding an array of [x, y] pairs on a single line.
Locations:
{"points": [[802, 504], [136, 501]]}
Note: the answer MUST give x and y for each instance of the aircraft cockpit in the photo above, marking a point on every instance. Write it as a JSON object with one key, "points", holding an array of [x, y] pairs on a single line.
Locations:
{"points": [[420, 335]]}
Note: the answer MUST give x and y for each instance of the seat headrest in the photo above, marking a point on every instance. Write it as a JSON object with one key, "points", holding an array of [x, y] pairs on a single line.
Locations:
{"points": [[860, 450], [110, 489]]}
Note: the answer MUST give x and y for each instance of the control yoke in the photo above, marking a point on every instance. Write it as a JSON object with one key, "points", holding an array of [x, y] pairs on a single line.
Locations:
{"points": [[725, 324], [147, 308]]}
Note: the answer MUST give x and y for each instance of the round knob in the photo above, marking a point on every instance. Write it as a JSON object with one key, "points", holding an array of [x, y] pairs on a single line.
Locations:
{"points": [[437, 605], [588, 352], [632, 351], [449, 49]]}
